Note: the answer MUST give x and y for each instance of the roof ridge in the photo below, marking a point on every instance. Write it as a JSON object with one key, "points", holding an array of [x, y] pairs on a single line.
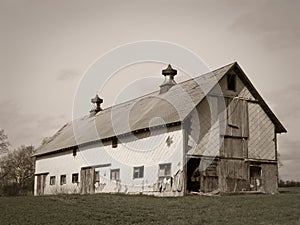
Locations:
{"points": [[149, 94]]}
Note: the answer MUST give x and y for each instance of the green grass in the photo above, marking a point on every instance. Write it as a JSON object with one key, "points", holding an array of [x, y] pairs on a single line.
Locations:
{"points": [[282, 208]]}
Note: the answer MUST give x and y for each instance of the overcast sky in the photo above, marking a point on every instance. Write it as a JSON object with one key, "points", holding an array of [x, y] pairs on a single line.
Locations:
{"points": [[45, 47]]}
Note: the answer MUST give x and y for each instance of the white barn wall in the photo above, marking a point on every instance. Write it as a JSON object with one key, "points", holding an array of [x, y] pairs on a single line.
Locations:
{"points": [[148, 152], [56, 165]]}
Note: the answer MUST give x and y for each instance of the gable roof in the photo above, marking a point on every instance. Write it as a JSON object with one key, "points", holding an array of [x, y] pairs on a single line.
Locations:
{"points": [[279, 128], [137, 114]]}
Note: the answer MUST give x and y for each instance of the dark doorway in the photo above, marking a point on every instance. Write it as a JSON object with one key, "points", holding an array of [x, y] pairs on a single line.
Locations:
{"points": [[193, 175], [255, 178]]}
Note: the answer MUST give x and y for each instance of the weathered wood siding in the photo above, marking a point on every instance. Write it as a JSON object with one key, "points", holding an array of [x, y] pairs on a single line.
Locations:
{"points": [[248, 133], [233, 120], [40, 184], [261, 143], [87, 179], [233, 175], [237, 124], [209, 175], [270, 178], [234, 148]]}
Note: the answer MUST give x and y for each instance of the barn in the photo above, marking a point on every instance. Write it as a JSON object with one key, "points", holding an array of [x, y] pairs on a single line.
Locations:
{"points": [[210, 133]]}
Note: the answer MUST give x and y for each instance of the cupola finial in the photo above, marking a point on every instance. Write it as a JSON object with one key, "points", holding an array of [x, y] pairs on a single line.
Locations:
{"points": [[169, 81], [97, 101]]}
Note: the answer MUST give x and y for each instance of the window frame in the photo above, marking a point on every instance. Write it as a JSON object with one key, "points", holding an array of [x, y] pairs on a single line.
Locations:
{"points": [[165, 165], [75, 175], [63, 179], [140, 172], [52, 180], [113, 177]]}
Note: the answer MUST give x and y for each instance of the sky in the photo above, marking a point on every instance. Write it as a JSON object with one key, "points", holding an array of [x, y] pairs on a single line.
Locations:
{"points": [[46, 46]]}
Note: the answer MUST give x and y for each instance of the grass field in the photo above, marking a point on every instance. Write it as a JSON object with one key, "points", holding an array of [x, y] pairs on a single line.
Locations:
{"points": [[283, 208]]}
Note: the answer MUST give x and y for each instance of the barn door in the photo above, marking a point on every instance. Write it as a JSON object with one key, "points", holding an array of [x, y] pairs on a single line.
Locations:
{"points": [[41, 183], [87, 176]]}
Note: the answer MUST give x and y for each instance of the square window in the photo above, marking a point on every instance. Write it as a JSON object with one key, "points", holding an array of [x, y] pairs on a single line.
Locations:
{"points": [[52, 180], [63, 179], [75, 178], [164, 170], [115, 174], [138, 172]]}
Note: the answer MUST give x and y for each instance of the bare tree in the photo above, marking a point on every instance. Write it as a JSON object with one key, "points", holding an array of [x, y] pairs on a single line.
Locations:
{"points": [[4, 144], [17, 170]]}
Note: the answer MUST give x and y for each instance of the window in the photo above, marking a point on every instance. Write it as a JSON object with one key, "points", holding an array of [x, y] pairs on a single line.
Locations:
{"points": [[138, 172], [52, 180], [75, 178], [114, 142], [63, 179], [164, 170], [115, 174], [231, 82]]}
